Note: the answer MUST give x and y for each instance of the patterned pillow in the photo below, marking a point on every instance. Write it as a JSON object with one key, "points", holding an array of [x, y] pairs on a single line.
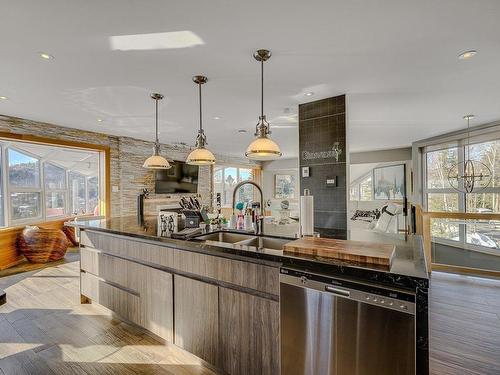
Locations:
{"points": [[367, 216]]}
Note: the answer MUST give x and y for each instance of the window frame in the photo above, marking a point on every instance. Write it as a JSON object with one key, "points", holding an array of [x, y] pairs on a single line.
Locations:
{"points": [[65, 191], [460, 144], [70, 198], [358, 182], [223, 168], [15, 189], [3, 184], [22, 146]]}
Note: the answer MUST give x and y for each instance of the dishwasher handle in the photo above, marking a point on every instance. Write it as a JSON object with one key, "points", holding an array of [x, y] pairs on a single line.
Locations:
{"points": [[338, 291]]}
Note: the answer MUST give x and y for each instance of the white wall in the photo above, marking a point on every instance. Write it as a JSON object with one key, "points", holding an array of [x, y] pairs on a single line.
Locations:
{"points": [[280, 166]]}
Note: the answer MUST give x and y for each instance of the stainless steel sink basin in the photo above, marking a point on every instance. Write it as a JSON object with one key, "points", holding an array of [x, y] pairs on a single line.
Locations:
{"points": [[265, 243], [225, 237]]}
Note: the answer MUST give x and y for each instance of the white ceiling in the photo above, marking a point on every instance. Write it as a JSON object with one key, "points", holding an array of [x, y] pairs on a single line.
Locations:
{"points": [[396, 60]]}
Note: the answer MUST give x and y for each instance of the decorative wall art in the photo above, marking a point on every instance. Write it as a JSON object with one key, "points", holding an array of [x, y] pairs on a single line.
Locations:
{"points": [[284, 186], [389, 182]]}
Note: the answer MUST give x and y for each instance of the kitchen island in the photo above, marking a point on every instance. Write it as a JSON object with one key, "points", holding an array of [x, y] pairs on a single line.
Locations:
{"points": [[219, 296]]}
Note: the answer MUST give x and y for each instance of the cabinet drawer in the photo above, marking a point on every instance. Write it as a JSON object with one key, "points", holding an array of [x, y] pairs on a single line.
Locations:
{"points": [[151, 287], [108, 267], [124, 303]]}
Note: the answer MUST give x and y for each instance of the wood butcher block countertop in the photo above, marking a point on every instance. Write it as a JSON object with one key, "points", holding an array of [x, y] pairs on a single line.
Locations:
{"points": [[356, 251]]}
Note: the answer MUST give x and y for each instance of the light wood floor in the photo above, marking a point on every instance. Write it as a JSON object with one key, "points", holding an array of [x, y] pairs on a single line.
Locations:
{"points": [[465, 325], [45, 330]]}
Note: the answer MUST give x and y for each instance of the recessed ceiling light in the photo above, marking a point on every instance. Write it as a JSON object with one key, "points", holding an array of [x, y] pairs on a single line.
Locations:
{"points": [[46, 56], [242, 130], [99, 120], [3, 98], [217, 118], [467, 55], [309, 93]]}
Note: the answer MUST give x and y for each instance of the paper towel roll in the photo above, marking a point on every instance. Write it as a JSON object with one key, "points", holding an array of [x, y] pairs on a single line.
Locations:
{"points": [[307, 214]]}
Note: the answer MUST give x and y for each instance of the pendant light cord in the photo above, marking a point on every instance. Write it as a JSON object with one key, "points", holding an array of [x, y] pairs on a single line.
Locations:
{"points": [[199, 92], [262, 88], [468, 137], [156, 120]]}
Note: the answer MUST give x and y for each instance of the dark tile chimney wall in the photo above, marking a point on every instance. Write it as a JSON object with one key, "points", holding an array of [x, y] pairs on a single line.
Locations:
{"points": [[321, 124]]}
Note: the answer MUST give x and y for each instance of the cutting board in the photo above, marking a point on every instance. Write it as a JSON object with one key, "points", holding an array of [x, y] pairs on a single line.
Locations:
{"points": [[356, 251]]}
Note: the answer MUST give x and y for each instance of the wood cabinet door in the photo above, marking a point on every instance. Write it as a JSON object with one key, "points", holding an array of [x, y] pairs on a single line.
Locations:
{"points": [[140, 294], [249, 333], [196, 314]]}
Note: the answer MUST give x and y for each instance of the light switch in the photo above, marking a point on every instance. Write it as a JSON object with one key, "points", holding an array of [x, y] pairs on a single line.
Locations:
{"points": [[305, 171], [331, 181]]}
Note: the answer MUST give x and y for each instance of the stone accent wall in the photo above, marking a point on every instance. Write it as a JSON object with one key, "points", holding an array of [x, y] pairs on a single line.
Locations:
{"points": [[127, 156]]}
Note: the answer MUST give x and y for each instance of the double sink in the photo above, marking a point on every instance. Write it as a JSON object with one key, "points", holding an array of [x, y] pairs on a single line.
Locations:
{"points": [[258, 242]]}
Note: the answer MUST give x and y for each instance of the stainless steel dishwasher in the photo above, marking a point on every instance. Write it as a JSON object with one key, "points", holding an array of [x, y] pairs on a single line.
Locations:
{"points": [[332, 326]]}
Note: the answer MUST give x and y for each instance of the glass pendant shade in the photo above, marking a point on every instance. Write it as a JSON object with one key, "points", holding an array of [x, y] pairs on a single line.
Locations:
{"points": [[156, 161], [263, 149], [200, 155]]}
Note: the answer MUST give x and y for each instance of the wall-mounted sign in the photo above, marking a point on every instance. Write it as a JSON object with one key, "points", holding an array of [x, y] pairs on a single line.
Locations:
{"points": [[334, 153], [305, 171]]}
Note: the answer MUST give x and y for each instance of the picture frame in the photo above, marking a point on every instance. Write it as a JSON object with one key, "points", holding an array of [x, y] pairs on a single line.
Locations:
{"points": [[389, 182], [284, 186]]}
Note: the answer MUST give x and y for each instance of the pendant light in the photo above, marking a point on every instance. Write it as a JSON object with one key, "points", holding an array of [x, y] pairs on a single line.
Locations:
{"points": [[263, 147], [469, 175], [156, 161], [200, 155]]}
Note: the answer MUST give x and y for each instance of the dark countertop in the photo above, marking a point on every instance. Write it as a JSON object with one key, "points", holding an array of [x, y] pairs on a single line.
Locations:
{"points": [[408, 269]]}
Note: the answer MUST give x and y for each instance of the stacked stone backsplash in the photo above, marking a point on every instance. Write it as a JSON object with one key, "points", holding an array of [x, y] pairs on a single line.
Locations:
{"points": [[126, 158], [322, 124]]}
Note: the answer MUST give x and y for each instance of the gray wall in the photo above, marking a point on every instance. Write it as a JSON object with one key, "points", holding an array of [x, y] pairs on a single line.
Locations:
{"points": [[380, 156]]}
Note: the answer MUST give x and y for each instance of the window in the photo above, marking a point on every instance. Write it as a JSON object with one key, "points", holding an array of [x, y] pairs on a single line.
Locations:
{"points": [[366, 189], [93, 195], [2, 211], [55, 190], [24, 170], [226, 178], [362, 190], [354, 192], [440, 196], [77, 193], [24, 186], [47, 182]]}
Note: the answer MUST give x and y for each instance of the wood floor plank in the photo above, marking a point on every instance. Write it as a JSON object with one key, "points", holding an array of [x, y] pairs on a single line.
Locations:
{"points": [[45, 330], [464, 325]]}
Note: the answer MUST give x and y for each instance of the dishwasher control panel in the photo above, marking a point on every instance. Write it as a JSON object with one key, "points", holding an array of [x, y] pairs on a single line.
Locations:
{"points": [[354, 290]]}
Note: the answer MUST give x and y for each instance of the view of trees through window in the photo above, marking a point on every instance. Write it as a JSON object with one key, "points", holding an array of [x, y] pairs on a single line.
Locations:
{"points": [[226, 178], [440, 196], [44, 182], [362, 190]]}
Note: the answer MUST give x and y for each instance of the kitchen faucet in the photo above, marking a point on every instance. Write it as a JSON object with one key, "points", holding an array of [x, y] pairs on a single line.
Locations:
{"points": [[258, 217]]}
